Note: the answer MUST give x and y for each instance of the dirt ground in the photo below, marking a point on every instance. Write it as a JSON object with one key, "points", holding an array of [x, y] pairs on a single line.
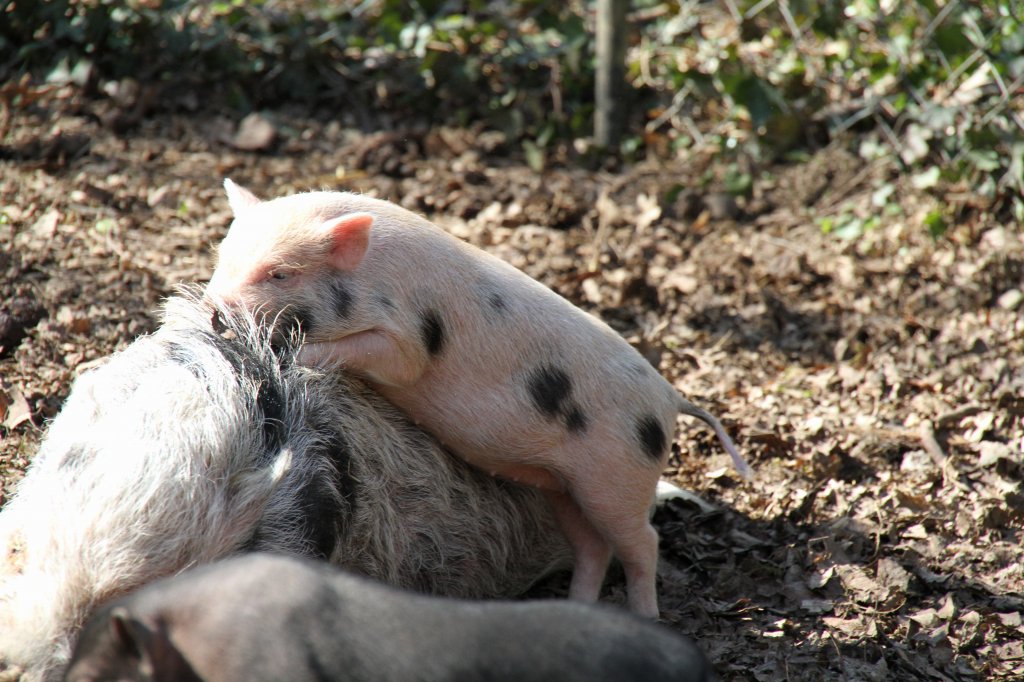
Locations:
{"points": [[875, 384]]}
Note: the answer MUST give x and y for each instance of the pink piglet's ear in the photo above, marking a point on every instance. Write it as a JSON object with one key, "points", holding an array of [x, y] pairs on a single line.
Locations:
{"points": [[350, 238], [239, 198]]}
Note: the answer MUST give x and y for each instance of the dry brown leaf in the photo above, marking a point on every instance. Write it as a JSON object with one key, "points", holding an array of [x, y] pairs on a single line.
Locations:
{"points": [[718, 473], [892, 576], [75, 321], [18, 411], [972, 618], [1010, 651], [162, 196], [1011, 299], [916, 532], [861, 626], [649, 212], [933, 636], [983, 422], [926, 618], [681, 279], [46, 226], [948, 610], [592, 290], [1010, 620], [917, 503], [990, 452], [862, 587], [819, 579], [255, 133], [817, 605], [868, 672]]}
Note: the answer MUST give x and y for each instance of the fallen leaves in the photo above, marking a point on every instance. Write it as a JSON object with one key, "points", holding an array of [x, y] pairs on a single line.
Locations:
{"points": [[255, 133], [868, 547], [14, 408], [858, 627]]}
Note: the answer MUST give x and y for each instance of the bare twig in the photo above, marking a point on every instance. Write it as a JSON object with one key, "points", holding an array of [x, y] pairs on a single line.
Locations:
{"points": [[926, 433], [604, 227], [939, 18], [677, 103], [758, 8], [950, 418], [734, 11], [787, 16], [931, 445]]}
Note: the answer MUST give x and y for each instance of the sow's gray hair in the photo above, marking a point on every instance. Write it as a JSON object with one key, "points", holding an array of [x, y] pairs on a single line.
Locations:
{"points": [[202, 441]]}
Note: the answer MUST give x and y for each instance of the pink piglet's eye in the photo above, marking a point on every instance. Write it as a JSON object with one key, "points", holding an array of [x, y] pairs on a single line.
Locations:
{"points": [[277, 274]]}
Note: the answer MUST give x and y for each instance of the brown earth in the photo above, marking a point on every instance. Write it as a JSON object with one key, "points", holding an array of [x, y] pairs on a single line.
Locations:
{"points": [[876, 384]]}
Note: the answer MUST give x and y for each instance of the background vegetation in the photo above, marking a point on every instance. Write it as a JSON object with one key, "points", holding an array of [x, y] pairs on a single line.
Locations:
{"points": [[934, 88]]}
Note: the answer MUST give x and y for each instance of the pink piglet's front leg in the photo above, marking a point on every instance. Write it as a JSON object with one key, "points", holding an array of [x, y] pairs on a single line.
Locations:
{"points": [[371, 354]]}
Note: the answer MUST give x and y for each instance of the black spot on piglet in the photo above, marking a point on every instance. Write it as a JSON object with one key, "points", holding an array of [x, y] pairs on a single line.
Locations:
{"points": [[341, 297], [575, 420], [651, 436], [497, 301], [433, 331], [549, 387], [385, 302]]}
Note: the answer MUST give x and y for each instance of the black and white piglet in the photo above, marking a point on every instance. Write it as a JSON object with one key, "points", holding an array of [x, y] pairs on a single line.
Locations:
{"points": [[270, 618], [502, 370]]}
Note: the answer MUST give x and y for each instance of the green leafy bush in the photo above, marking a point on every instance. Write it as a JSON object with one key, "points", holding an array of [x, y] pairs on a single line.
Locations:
{"points": [[938, 85], [521, 66]]}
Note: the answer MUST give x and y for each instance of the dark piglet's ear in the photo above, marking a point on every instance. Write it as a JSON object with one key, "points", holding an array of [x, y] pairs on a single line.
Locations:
{"points": [[151, 651]]}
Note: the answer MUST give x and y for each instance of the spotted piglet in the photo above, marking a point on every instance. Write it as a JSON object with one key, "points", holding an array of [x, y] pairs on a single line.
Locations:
{"points": [[506, 373]]}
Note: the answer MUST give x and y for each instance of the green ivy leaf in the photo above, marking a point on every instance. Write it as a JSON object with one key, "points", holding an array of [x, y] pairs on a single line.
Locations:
{"points": [[535, 156], [936, 223]]}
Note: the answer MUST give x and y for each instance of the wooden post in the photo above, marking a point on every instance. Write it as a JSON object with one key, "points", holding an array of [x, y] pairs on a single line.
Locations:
{"points": [[611, 72]]}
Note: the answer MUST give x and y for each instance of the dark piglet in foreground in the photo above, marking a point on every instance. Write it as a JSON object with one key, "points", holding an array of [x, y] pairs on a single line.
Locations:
{"points": [[265, 617], [508, 374]]}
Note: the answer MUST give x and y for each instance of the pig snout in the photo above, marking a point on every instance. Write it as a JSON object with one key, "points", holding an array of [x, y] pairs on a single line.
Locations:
{"points": [[220, 294], [225, 300]]}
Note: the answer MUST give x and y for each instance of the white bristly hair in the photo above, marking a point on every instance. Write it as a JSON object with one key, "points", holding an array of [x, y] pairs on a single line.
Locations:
{"points": [[200, 441]]}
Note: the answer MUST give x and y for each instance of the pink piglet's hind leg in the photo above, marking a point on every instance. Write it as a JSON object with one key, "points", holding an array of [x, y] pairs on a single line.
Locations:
{"points": [[618, 511], [370, 354], [591, 551]]}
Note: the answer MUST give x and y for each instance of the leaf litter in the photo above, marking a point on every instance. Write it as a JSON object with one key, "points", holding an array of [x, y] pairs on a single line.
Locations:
{"points": [[875, 383]]}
